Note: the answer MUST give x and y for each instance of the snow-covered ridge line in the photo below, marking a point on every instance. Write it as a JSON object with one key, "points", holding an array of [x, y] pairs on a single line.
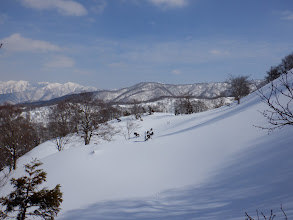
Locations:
{"points": [[23, 91], [143, 92]]}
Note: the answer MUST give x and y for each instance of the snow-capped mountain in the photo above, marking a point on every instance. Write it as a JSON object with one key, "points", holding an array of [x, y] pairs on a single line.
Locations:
{"points": [[24, 91], [151, 91]]}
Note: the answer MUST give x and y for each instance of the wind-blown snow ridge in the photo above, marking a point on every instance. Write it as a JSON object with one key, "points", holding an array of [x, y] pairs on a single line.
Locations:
{"points": [[212, 165]]}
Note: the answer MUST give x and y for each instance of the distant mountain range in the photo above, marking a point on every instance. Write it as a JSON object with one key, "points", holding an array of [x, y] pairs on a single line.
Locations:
{"points": [[25, 92], [151, 91]]}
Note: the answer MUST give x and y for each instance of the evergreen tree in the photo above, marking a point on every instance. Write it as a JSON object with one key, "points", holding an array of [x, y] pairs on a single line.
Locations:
{"points": [[27, 200]]}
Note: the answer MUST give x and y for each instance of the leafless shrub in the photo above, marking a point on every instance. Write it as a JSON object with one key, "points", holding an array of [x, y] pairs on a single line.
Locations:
{"points": [[106, 132], [130, 127], [280, 102], [4, 177], [270, 217]]}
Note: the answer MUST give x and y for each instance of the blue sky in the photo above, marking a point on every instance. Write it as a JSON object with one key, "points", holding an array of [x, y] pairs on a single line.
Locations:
{"points": [[118, 43]]}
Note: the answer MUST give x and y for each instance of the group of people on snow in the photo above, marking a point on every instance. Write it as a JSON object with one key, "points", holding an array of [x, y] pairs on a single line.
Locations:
{"points": [[148, 134]]}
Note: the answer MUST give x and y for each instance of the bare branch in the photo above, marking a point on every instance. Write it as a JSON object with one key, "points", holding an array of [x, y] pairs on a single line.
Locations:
{"points": [[286, 218], [280, 102], [271, 217]]}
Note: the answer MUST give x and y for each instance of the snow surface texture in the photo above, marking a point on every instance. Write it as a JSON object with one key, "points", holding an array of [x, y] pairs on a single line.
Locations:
{"points": [[212, 165]]}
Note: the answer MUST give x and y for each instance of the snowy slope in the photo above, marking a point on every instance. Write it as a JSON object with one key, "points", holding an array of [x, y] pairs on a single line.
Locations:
{"points": [[210, 165]]}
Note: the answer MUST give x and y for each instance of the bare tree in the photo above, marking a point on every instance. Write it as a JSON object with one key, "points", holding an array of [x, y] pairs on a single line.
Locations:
{"points": [[41, 131], [218, 102], [108, 112], [184, 105], [90, 118], [179, 107], [18, 136], [276, 71], [130, 127], [150, 110], [106, 132], [187, 105], [279, 99], [199, 106], [273, 73], [5, 157], [287, 63], [60, 124], [137, 110], [239, 86]]}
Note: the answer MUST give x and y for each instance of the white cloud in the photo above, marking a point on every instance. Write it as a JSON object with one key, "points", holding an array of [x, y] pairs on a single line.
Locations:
{"points": [[17, 43], [98, 6], [65, 7], [184, 52], [287, 15], [60, 62], [174, 52], [176, 72], [215, 52], [219, 52], [169, 3]]}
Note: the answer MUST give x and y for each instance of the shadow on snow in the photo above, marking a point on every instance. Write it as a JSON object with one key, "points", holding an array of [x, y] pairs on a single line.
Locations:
{"points": [[260, 178]]}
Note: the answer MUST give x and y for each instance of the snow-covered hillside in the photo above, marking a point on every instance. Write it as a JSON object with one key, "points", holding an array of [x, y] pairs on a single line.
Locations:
{"points": [[23, 91], [150, 91], [212, 165]]}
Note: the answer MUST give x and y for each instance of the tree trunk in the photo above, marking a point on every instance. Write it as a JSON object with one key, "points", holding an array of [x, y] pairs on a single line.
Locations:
{"points": [[22, 214], [14, 158]]}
